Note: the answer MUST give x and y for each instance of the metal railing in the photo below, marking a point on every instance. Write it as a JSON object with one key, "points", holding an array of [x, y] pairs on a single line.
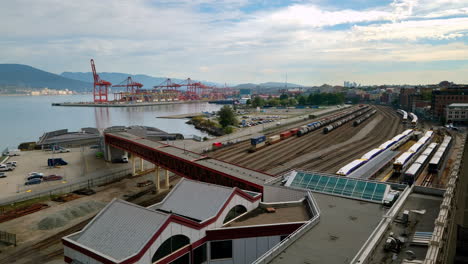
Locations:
{"points": [[8, 238], [91, 181]]}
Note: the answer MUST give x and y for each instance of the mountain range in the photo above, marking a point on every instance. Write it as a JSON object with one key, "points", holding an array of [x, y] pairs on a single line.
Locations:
{"points": [[24, 76]]}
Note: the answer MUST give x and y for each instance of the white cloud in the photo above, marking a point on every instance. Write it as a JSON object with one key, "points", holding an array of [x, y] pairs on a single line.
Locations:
{"points": [[176, 39]]}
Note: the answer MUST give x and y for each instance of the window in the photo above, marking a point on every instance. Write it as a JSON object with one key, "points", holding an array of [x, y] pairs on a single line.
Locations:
{"points": [[170, 245], [234, 212], [221, 249], [199, 254], [182, 260]]}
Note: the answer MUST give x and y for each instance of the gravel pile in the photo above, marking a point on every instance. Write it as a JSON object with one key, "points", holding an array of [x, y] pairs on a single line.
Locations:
{"points": [[62, 217]]}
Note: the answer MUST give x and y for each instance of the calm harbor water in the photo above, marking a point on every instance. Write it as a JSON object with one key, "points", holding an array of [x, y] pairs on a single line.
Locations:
{"points": [[26, 118]]}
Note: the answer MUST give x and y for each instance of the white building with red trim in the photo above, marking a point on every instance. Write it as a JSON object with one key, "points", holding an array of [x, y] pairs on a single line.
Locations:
{"points": [[196, 223]]}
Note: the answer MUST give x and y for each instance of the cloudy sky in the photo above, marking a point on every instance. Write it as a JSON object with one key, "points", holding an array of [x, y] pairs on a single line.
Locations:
{"points": [[239, 41]]}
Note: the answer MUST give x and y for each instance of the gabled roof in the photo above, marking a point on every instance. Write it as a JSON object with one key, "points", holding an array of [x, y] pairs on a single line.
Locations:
{"points": [[121, 229], [195, 200]]}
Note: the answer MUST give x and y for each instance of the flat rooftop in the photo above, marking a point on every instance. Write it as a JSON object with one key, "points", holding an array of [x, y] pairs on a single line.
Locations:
{"points": [[260, 216], [417, 223], [345, 224]]}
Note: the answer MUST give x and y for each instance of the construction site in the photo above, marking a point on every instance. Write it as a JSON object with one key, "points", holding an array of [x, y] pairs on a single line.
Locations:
{"points": [[341, 181]]}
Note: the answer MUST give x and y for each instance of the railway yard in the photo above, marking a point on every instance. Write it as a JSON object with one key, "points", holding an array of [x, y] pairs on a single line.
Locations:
{"points": [[315, 150], [327, 144]]}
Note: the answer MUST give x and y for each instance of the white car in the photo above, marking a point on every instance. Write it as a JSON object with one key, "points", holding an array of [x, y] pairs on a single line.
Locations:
{"points": [[62, 150], [12, 163], [35, 173]]}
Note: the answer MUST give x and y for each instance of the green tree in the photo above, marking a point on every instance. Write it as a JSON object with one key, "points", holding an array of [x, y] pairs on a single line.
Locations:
{"points": [[258, 102], [292, 102], [274, 102], [248, 102], [227, 117], [302, 100], [283, 97]]}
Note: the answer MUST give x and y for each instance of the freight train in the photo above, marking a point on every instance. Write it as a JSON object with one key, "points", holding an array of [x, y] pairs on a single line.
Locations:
{"points": [[259, 142], [389, 144], [416, 168], [328, 120], [436, 162], [364, 118], [343, 121]]}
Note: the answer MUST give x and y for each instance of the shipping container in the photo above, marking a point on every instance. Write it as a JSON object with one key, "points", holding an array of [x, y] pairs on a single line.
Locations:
{"points": [[285, 135], [274, 139], [256, 147], [257, 139]]}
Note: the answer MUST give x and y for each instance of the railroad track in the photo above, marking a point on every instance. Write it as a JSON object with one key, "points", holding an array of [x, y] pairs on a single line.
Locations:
{"points": [[280, 153], [332, 160], [354, 150], [236, 152], [288, 149], [427, 182]]}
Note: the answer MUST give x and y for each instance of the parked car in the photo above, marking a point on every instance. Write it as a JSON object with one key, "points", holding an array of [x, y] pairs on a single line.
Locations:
{"points": [[11, 163], [34, 173], [33, 181], [35, 176], [62, 150], [52, 177], [13, 152], [4, 167], [2, 175]]}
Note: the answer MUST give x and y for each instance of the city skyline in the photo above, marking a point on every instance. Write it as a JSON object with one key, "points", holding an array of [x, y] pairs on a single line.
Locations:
{"points": [[314, 42]]}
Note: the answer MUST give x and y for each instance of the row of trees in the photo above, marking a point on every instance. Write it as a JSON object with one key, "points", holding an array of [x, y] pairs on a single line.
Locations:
{"points": [[312, 99]]}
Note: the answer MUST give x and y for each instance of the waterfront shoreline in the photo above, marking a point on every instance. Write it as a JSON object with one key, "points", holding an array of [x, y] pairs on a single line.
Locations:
{"points": [[126, 105]]}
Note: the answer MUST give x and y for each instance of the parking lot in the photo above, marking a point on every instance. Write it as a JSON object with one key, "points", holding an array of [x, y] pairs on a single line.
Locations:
{"points": [[81, 162]]}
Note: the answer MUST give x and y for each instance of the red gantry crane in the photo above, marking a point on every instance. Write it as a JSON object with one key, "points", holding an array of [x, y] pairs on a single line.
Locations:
{"points": [[133, 89], [101, 87]]}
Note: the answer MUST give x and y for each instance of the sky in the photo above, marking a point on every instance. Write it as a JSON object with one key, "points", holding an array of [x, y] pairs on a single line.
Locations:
{"points": [[239, 41]]}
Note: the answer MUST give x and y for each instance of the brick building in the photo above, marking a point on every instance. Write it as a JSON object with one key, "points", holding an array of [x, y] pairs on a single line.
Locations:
{"points": [[442, 98]]}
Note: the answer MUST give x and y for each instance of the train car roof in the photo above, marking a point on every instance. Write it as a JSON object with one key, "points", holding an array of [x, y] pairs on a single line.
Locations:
{"points": [[348, 167], [386, 144], [371, 153], [403, 158], [413, 169]]}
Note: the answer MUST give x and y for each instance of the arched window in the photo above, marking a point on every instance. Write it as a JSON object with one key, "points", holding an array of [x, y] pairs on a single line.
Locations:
{"points": [[234, 212], [170, 245]]}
